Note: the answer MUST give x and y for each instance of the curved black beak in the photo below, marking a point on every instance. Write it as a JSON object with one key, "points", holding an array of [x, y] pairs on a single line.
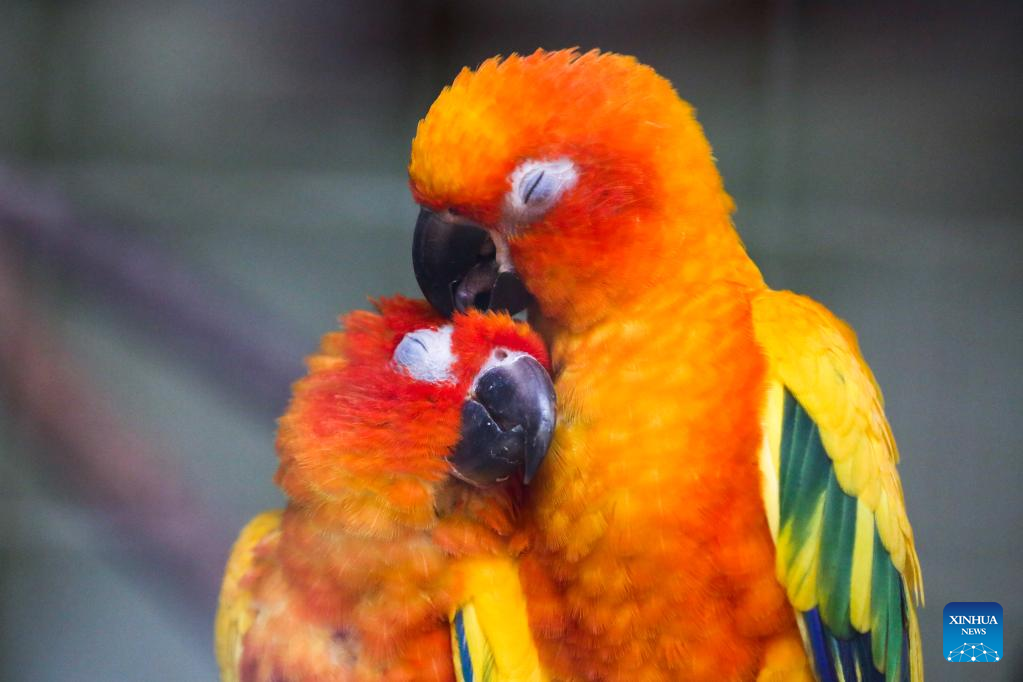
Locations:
{"points": [[456, 266], [507, 421]]}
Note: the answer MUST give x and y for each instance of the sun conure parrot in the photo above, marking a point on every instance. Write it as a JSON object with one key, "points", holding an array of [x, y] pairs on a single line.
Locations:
{"points": [[402, 455], [721, 501]]}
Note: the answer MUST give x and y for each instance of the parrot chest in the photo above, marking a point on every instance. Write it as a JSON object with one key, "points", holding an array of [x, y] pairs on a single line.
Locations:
{"points": [[651, 519], [345, 607]]}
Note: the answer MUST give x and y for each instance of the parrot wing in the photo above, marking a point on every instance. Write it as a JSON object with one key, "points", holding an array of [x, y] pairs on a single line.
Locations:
{"points": [[490, 636], [236, 610], [833, 498]]}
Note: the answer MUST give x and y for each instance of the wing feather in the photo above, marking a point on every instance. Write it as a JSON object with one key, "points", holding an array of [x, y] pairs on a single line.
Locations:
{"points": [[845, 551], [235, 612], [490, 636]]}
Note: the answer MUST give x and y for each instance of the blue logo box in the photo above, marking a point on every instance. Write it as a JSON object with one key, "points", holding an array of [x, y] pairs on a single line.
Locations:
{"points": [[972, 632]]}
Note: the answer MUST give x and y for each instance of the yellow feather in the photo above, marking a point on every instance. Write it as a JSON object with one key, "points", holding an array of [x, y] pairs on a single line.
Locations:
{"points": [[480, 652], [816, 356], [234, 613], [862, 564], [496, 623], [770, 451], [916, 655], [889, 530], [801, 576]]}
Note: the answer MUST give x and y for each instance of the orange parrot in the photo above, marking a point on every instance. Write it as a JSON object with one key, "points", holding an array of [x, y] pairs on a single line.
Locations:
{"points": [[402, 456], [721, 501]]}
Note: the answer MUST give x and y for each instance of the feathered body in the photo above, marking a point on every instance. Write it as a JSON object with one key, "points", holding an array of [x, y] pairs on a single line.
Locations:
{"points": [[652, 522], [357, 577], [663, 545]]}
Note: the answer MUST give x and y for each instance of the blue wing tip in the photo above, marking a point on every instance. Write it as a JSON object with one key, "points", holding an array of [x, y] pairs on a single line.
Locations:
{"points": [[464, 659], [841, 659]]}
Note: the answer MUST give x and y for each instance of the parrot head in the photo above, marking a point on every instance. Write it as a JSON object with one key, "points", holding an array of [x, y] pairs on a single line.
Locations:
{"points": [[577, 179], [402, 399]]}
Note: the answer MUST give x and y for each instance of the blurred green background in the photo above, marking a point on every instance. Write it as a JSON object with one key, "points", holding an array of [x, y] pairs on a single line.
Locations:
{"points": [[191, 192]]}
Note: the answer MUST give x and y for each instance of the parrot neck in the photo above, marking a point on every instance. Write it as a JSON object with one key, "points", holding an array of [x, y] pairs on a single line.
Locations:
{"points": [[715, 255], [677, 265]]}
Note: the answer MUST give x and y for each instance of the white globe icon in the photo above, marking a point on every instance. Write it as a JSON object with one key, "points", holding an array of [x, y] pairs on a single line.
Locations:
{"points": [[973, 653]]}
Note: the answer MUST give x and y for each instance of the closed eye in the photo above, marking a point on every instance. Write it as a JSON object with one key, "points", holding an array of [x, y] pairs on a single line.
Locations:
{"points": [[426, 355], [532, 186], [536, 188]]}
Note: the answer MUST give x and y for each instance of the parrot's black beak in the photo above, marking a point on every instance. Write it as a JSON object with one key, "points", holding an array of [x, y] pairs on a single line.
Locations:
{"points": [[457, 267], [507, 421]]}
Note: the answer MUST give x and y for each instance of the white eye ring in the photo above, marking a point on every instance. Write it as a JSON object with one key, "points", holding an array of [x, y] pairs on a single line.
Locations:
{"points": [[425, 354], [536, 187]]}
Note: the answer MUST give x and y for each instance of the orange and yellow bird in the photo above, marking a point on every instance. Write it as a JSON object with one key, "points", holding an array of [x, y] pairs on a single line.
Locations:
{"points": [[402, 456], [722, 500]]}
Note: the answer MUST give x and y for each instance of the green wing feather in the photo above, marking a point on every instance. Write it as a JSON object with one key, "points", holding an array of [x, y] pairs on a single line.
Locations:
{"points": [[817, 517], [833, 499]]}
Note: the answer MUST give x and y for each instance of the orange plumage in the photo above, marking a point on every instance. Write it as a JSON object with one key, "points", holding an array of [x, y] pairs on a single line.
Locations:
{"points": [[352, 580], [625, 229], [633, 522], [652, 556]]}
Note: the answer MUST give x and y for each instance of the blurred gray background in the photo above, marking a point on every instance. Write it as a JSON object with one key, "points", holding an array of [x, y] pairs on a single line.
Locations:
{"points": [[191, 192]]}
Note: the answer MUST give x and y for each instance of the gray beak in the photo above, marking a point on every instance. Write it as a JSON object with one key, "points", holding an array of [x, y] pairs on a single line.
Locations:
{"points": [[507, 422]]}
